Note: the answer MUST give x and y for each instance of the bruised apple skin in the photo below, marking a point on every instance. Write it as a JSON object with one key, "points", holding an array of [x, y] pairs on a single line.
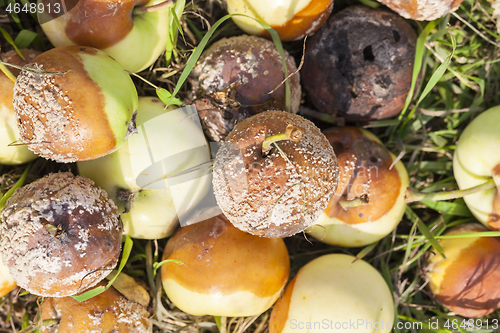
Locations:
{"points": [[365, 169], [83, 113], [224, 271], [134, 40], [468, 281], [280, 192], [292, 20], [110, 311], [9, 133], [339, 288], [60, 235], [475, 161]]}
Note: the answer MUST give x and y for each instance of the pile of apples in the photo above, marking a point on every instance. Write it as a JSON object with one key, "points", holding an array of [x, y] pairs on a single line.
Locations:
{"points": [[275, 174]]}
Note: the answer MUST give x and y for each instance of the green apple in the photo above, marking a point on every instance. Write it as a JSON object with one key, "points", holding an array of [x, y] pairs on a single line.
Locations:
{"points": [[335, 293], [477, 160], [134, 38], [365, 168], [292, 19], [9, 133], [149, 211]]}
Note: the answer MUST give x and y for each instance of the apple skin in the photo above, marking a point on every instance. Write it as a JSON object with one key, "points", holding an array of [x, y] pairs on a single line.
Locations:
{"points": [[337, 227], [135, 42], [9, 132], [476, 160], [291, 19], [7, 283], [338, 288], [152, 212]]}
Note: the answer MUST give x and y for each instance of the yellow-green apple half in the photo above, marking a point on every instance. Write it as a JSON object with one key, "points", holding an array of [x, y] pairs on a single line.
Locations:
{"points": [[74, 103], [150, 213], [366, 168], [125, 29], [339, 292], [9, 133], [224, 271], [477, 160], [290, 18]]}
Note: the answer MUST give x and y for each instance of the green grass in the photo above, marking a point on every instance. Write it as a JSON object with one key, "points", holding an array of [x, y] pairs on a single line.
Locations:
{"points": [[458, 56]]}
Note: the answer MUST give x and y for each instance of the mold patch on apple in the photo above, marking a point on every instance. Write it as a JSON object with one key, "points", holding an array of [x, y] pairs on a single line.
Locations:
{"points": [[52, 235]]}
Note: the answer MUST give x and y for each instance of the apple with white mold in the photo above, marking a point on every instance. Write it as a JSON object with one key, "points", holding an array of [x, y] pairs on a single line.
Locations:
{"points": [[74, 103], [147, 213], [290, 18], [366, 169], [477, 161], [134, 32], [9, 133], [337, 287]]}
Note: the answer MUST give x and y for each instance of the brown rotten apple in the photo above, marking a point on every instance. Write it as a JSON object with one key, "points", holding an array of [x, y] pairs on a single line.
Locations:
{"points": [[60, 235], [82, 112], [224, 271], [366, 170], [234, 79], [274, 174], [121, 308]]}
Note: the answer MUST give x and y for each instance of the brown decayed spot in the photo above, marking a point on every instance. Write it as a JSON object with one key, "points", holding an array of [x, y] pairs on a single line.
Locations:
{"points": [[87, 24], [471, 284], [305, 22], [106, 312], [221, 260], [428, 11], [279, 315], [364, 168], [62, 117]]}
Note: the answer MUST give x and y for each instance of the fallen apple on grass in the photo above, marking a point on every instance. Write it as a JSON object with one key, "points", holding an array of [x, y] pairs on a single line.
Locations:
{"points": [[222, 271], [467, 280], [74, 103], [132, 32], [148, 213], [477, 161], [291, 19], [9, 133], [365, 169], [331, 291]]}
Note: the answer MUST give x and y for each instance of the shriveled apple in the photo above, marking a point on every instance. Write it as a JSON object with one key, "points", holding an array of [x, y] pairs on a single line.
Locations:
{"points": [[476, 160]]}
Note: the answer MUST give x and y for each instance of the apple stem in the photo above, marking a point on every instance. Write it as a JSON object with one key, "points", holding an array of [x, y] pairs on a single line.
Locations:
{"points": [[7, 72], [356, 202], [154, 8], [291, 133], [413, 195]]}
